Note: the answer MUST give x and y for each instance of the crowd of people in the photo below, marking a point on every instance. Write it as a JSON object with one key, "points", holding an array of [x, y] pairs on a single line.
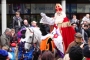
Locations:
{"points": [[78, 49]]}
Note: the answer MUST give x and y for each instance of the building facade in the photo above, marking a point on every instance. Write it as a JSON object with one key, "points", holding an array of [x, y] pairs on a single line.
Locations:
{"points": [[31, 9]]}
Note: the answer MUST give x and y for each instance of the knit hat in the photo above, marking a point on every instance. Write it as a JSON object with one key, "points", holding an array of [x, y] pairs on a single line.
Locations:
{"points": [[3, 54], [86, 51]]}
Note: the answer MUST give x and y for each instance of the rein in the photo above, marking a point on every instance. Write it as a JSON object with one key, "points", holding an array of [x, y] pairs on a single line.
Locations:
{"points": [[31, 37]]}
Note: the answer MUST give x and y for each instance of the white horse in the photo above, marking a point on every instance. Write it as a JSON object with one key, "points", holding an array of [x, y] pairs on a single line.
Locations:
{"points": [[32, 35]]}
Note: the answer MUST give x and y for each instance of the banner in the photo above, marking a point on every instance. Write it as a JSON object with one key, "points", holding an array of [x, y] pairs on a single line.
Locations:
{"points": [[83, 8], [80, 8], [46, 8]]}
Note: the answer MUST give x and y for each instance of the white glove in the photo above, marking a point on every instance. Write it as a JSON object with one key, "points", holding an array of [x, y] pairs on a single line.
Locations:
{"points": [[43, 14]]}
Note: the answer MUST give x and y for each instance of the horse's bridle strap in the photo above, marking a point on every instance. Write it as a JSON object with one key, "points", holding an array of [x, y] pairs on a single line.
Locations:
{"points": [[32, 37]]}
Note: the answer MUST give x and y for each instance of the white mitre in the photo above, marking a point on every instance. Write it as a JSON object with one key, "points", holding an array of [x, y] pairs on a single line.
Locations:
{"points": [[59, 17]]}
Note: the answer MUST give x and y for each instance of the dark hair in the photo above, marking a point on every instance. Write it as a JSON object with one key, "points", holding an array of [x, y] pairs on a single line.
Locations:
{"points": [[3, 57], [47, 55], [74, 23], [75, 53], [17, 12], [86, 51], [85, 25]]}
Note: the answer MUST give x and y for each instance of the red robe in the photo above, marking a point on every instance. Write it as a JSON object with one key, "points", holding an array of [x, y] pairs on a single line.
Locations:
{"points": [[67, 33]]}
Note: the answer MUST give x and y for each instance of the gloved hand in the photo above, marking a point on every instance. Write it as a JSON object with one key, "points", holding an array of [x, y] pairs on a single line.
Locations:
{"points": [[42, 14]]}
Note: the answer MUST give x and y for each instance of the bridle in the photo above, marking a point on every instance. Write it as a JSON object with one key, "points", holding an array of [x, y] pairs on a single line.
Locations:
{"points": [[31, 36]]}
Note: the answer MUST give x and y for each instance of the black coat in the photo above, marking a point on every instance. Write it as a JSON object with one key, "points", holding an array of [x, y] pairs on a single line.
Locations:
{"points": [[85, 34], [15, 22]]}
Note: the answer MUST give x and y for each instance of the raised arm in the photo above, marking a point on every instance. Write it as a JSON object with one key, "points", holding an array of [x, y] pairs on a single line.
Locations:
{"points": [[46, 20]]}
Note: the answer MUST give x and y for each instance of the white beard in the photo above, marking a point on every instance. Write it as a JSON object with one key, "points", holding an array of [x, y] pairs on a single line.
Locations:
{"points": [[59, 18]]}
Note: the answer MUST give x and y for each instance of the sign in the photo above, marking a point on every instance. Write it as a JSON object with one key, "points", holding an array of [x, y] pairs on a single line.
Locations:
{"points": [[83, 8], [46, 8]]}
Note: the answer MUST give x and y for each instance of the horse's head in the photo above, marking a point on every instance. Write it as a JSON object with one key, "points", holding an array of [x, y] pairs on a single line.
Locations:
{"points": [[30, 36]]}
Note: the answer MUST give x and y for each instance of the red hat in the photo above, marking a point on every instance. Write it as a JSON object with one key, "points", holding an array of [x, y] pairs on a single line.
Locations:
{"points": [[13, 44], [58, 7]]}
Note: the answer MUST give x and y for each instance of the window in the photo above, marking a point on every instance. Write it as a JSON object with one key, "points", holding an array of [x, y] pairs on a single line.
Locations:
{"points": [[22, 8]]}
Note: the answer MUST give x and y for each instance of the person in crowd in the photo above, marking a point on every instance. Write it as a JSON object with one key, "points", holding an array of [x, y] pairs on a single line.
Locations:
{"points": [[83, 32], [26, 24], [47, 55], [77, 41], [5, 38], [75, 53], [13, 40], [33, 24], [17, 22], [74, 25], [75, 20], [86, 18], [87, 30], [86, 50]]}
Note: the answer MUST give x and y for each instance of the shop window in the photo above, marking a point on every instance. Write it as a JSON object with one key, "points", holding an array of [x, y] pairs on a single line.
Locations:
{"points": [[22, 8]]}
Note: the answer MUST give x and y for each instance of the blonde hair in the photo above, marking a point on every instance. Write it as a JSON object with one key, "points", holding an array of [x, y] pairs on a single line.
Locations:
{"points": [[58, 4], [5, 47], [17, 13], [12, 29]]}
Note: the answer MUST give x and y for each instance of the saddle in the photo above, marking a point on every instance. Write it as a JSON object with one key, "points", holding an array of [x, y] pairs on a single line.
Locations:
{"points": [[47, 44]]}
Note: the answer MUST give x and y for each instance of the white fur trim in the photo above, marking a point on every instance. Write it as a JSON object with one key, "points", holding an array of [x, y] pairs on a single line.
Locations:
{"points": [[59, 17]]}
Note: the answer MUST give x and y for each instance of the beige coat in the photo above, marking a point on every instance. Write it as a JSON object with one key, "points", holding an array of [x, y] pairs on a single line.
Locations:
{"points": [[5, 41]]}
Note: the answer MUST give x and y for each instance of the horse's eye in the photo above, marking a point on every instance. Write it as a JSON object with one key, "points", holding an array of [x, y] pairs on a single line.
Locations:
{"points": [[30, 37]]}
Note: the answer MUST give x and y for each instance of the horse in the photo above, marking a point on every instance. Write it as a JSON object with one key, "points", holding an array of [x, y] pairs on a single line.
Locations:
{"points": [[36, 35], [29, 37]]}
